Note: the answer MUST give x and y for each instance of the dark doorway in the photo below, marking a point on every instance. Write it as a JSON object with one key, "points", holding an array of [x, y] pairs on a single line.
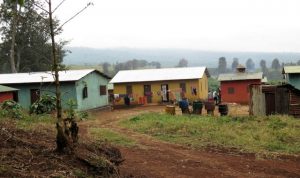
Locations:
{"points": [[34, 95], [165, 93], [148, 93], [270, 103], [129, 90], [15, 96]]}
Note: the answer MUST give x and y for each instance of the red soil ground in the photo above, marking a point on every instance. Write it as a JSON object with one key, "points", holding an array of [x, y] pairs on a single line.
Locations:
{"points": [[154, 158]]}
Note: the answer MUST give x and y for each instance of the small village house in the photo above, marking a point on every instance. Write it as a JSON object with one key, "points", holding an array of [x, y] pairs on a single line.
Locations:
{"points": [[235, 86], [274, 99], [161, 85], [88, 88], [292, 75], [7, 93]]}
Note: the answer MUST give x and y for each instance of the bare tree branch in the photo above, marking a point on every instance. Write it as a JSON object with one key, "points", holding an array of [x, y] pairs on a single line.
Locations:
{"points": [[58, 5], [40, 7], [89, 4]]}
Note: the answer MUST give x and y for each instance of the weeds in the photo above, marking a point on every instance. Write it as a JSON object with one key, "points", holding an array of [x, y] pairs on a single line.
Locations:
{"points": [[274, 134], [106, 135], [11, 109]]}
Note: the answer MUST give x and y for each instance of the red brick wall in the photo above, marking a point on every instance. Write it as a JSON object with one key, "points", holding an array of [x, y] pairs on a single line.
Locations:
{"points": [[6, 96], [241, 91]]}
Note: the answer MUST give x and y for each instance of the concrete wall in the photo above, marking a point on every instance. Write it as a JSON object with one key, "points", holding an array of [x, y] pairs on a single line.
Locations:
{"points": [[94, 100], [201, 86], [67, 92]]}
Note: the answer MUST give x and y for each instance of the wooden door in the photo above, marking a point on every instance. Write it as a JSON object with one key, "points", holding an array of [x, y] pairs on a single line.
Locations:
{"points": [[165, 93], [270, 103], [34, 95], [148, 93]]}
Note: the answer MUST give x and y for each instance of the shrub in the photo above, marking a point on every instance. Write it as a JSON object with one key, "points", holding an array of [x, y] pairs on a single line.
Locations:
{"points": [[11, 109], [46, 104]]}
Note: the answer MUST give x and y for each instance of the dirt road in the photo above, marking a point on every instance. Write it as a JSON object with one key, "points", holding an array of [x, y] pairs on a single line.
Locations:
{"points": [[154, 158]]}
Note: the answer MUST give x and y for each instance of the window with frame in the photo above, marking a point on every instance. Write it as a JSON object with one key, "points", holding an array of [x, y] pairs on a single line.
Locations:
{"points": [[85, 92], [231, 90], [103, 90]]}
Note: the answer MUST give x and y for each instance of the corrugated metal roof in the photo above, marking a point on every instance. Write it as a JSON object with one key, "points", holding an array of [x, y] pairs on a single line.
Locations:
{"points": [[291, 69], [37, 77], [164, 74], [6, 89], [240, 76]]}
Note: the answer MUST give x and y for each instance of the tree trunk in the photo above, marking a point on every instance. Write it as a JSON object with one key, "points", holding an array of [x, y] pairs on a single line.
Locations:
{"points": [[18, 59], [13, 37], [61, 137]]}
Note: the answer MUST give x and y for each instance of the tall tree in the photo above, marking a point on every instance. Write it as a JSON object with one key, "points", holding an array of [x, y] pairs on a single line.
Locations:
{"points": [[234, 64], [182, 63], [275, 64], [250, 65], [222, 67], [32, 47], [263, 66], [105, 67], [14, 23]]}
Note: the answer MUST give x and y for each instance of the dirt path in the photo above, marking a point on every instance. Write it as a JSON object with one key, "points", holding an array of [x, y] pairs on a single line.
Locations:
{"points": [[154, 158]]}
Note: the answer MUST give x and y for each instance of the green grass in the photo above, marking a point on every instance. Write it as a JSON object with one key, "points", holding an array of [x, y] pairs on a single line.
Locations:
{"points": [[32, 122], [106, 135], [266, 135]]}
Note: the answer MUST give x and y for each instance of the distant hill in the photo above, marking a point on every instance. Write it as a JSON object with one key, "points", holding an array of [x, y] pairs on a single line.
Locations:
{"points": [[170, 57]]}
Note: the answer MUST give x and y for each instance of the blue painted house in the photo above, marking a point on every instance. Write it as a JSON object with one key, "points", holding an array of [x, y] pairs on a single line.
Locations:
{"points": [[87, 87], [292, 75]]}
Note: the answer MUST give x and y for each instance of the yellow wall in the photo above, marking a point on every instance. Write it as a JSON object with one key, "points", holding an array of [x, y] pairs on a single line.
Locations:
{"points": [[201, 86]]}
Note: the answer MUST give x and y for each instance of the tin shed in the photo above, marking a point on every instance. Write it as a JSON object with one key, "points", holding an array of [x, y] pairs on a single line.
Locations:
{"points": [[274, 99], [87, 87], [292, 75], [7, 93]]}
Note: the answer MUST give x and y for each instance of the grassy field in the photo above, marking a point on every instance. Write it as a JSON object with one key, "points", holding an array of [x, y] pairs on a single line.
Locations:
{"points": [[106, 135], [266, 135]]}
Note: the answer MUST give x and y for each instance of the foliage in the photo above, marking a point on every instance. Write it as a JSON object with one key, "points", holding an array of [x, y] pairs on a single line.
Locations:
{"points": [[213, 84], [46, 104], [182, 63], [234, 64], [32, 48], [11, 109], [135, 64], [222, 67], [266, 135], [83, 115], [71, 111], [250, 65], [263, 66], [276, 64], [106, 135]]}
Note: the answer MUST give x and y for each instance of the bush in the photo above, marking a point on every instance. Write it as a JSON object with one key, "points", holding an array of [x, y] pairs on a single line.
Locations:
{"points": [[11, 109], [46, 104]]}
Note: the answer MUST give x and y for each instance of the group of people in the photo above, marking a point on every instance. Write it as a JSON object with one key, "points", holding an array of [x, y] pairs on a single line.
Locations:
{"points": [[215, 96]]}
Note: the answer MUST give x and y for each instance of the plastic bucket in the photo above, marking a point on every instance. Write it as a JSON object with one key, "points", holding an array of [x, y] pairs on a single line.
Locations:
{"points": [[223, 109], [197, 107]]}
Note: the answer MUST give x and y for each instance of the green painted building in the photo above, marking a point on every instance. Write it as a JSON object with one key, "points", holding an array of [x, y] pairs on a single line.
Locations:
{"points": [[292, 75], [87, 87]]}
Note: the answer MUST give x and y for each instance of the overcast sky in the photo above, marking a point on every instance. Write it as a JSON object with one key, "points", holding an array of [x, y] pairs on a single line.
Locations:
{"points": [[226, 25]]}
